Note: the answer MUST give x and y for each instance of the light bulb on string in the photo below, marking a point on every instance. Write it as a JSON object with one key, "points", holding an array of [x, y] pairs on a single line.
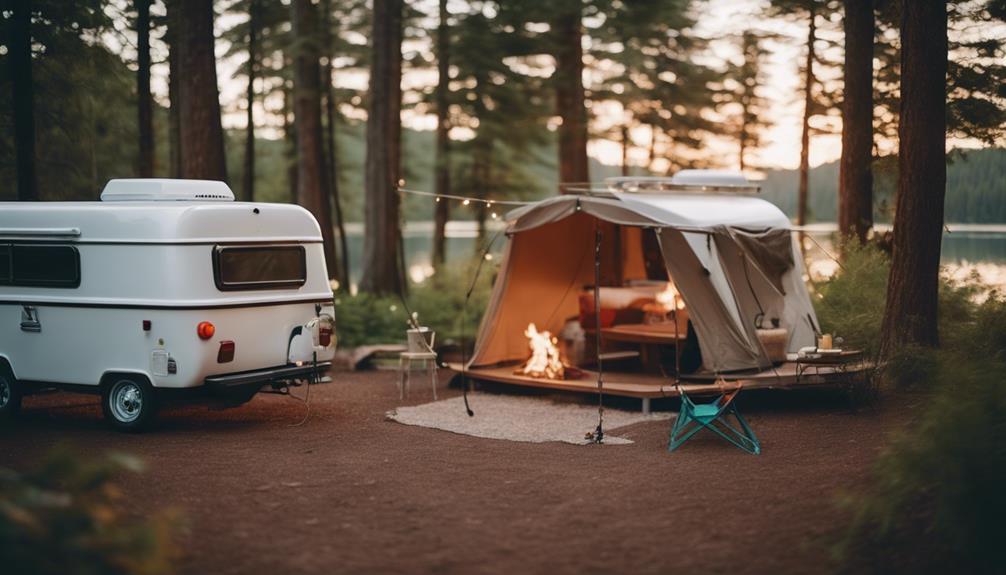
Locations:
{"points": [[494, 215], [466, 202], [438, 199]]}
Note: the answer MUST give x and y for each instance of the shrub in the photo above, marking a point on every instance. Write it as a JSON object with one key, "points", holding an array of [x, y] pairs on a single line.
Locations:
{"points": [[851, 303], [65, 518], [439, 303], [936, 502]]}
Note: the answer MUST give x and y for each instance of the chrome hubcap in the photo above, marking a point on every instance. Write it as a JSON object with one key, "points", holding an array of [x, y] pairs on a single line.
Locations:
{"points": [[126, 401], [4, 393]]}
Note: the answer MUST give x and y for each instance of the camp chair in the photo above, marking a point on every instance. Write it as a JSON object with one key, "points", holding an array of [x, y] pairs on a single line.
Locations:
{"points": [[420, 349], [713, 416]]}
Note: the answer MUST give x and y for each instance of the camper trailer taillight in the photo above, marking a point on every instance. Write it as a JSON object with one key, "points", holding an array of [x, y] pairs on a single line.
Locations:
{"points": [[146, 325], [205, 330], [226, 353], [325, 334]]}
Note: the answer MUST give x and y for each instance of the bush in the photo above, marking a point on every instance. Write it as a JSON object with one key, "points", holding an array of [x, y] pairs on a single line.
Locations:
{"points": [[936, 503], [439, 303], [851, 303], [64, 518]]}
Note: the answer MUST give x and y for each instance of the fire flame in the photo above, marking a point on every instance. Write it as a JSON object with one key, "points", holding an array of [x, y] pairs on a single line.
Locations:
{"points": [[545, 360], [670, 298]]}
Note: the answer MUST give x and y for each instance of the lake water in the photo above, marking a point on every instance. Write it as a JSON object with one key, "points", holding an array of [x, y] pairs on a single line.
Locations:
{"points": [[966, 249]]}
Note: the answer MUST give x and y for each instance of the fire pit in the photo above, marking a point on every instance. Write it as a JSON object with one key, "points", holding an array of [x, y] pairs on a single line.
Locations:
{"points": [[546, 361]]}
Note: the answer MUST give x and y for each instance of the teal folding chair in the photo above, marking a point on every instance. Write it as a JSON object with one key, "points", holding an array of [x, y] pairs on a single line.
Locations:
{"points": [[713, 416]]}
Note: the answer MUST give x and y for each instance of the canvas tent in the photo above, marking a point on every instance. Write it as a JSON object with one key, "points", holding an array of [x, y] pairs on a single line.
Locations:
{"points": [[730, 255]]}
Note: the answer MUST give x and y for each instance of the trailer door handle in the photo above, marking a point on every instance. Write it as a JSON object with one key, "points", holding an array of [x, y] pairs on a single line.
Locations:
{"points": [[29, 319]]}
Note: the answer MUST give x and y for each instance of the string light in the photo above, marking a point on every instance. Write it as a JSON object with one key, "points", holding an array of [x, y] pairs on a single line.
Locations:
{"points": [[465, 200], [494, 215]]}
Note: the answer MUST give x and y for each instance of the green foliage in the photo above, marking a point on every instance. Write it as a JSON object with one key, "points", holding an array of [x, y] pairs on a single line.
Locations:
{"points": [[851, 304], [936, 504], [438, 303], [66, 518]]}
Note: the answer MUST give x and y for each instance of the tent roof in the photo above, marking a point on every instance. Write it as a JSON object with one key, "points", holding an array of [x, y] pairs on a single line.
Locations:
{"points": [[676, 210]]}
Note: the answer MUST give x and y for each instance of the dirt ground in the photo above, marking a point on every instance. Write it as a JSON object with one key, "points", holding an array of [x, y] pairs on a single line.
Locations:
{"points": [[349, 492]]}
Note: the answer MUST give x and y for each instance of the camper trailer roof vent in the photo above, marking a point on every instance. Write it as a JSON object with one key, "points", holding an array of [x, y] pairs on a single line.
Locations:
{"points": [[166, 190], [686, 181]]}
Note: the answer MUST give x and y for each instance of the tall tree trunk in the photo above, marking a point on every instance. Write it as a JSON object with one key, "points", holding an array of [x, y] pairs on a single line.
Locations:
{"points": [[200, 129], [382, 267], [808, 111], [312, 182], [625, 150], [19, 33], [290, 141], [442, 175], [248, 179], [145, 101], [331, 142], [171, 36], [911, 313], [742, 139], [570, 99], [855, 188]]}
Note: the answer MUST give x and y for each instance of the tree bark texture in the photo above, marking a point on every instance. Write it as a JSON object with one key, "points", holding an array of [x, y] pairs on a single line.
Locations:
{"points": [[171, 36], [855, 189], [145, 101], [808, 110], [442, 175], [200, 130], [19, 56], [248, 179], [312, 181], [331, 142], [570, 98], [382, 267], [913, 286]]}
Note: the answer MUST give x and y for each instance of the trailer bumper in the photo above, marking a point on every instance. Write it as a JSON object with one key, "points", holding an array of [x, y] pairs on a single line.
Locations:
{"points": [[244, 384]]}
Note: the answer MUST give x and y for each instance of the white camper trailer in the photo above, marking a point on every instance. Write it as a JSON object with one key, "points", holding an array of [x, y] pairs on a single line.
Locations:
{"points": [[163, 288]]}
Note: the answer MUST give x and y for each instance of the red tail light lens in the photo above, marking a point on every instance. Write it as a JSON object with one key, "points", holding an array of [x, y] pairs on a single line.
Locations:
{"points": [[226, 353], [205, 330], [325, 335]]}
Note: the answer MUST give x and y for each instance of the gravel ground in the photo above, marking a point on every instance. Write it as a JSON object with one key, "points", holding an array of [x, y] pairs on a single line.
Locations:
{"points": [[350, 492]]}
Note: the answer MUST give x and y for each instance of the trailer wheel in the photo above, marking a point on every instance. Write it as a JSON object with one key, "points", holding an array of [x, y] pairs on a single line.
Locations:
{"points": [[10, 394], [129, 403]]}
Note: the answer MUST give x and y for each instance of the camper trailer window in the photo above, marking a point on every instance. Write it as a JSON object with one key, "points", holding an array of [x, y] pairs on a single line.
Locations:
{"points": [[4, 264], [259, 267], [44, 266]]}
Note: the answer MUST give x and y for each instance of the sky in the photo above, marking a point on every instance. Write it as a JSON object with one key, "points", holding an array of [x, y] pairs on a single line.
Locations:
{"points": [[717, 19]]}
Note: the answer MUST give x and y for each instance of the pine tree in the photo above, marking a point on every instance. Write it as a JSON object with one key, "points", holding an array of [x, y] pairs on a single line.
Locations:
{"points": [[855, 194], [911, 311], [382, 271], [200, 129]]}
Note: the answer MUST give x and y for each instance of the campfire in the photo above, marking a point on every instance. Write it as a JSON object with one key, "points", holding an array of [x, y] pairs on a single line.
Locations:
{"points": [[670, 299], [546, 360]]}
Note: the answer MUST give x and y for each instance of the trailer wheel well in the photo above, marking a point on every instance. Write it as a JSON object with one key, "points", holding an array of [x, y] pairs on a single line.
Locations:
{"points": [[109, 377], [6, 367]]}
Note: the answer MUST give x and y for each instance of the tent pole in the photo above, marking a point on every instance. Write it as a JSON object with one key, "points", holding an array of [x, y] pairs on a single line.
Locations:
{"points": [[599, 432]]}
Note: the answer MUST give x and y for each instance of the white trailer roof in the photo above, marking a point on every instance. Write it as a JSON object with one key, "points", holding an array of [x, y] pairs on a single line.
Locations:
{"points": [[158, 221]]}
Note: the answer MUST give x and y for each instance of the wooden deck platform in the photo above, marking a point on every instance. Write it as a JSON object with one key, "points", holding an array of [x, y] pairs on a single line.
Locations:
{"points": [[647, 387]]}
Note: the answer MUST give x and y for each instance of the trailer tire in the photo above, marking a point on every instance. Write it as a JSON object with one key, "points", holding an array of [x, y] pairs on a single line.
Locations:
{"points": [[10, 393], [129, 402]]}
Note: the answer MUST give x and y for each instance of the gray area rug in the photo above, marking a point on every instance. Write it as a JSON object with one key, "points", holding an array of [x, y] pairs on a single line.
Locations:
{"points": [[520, 418]]}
